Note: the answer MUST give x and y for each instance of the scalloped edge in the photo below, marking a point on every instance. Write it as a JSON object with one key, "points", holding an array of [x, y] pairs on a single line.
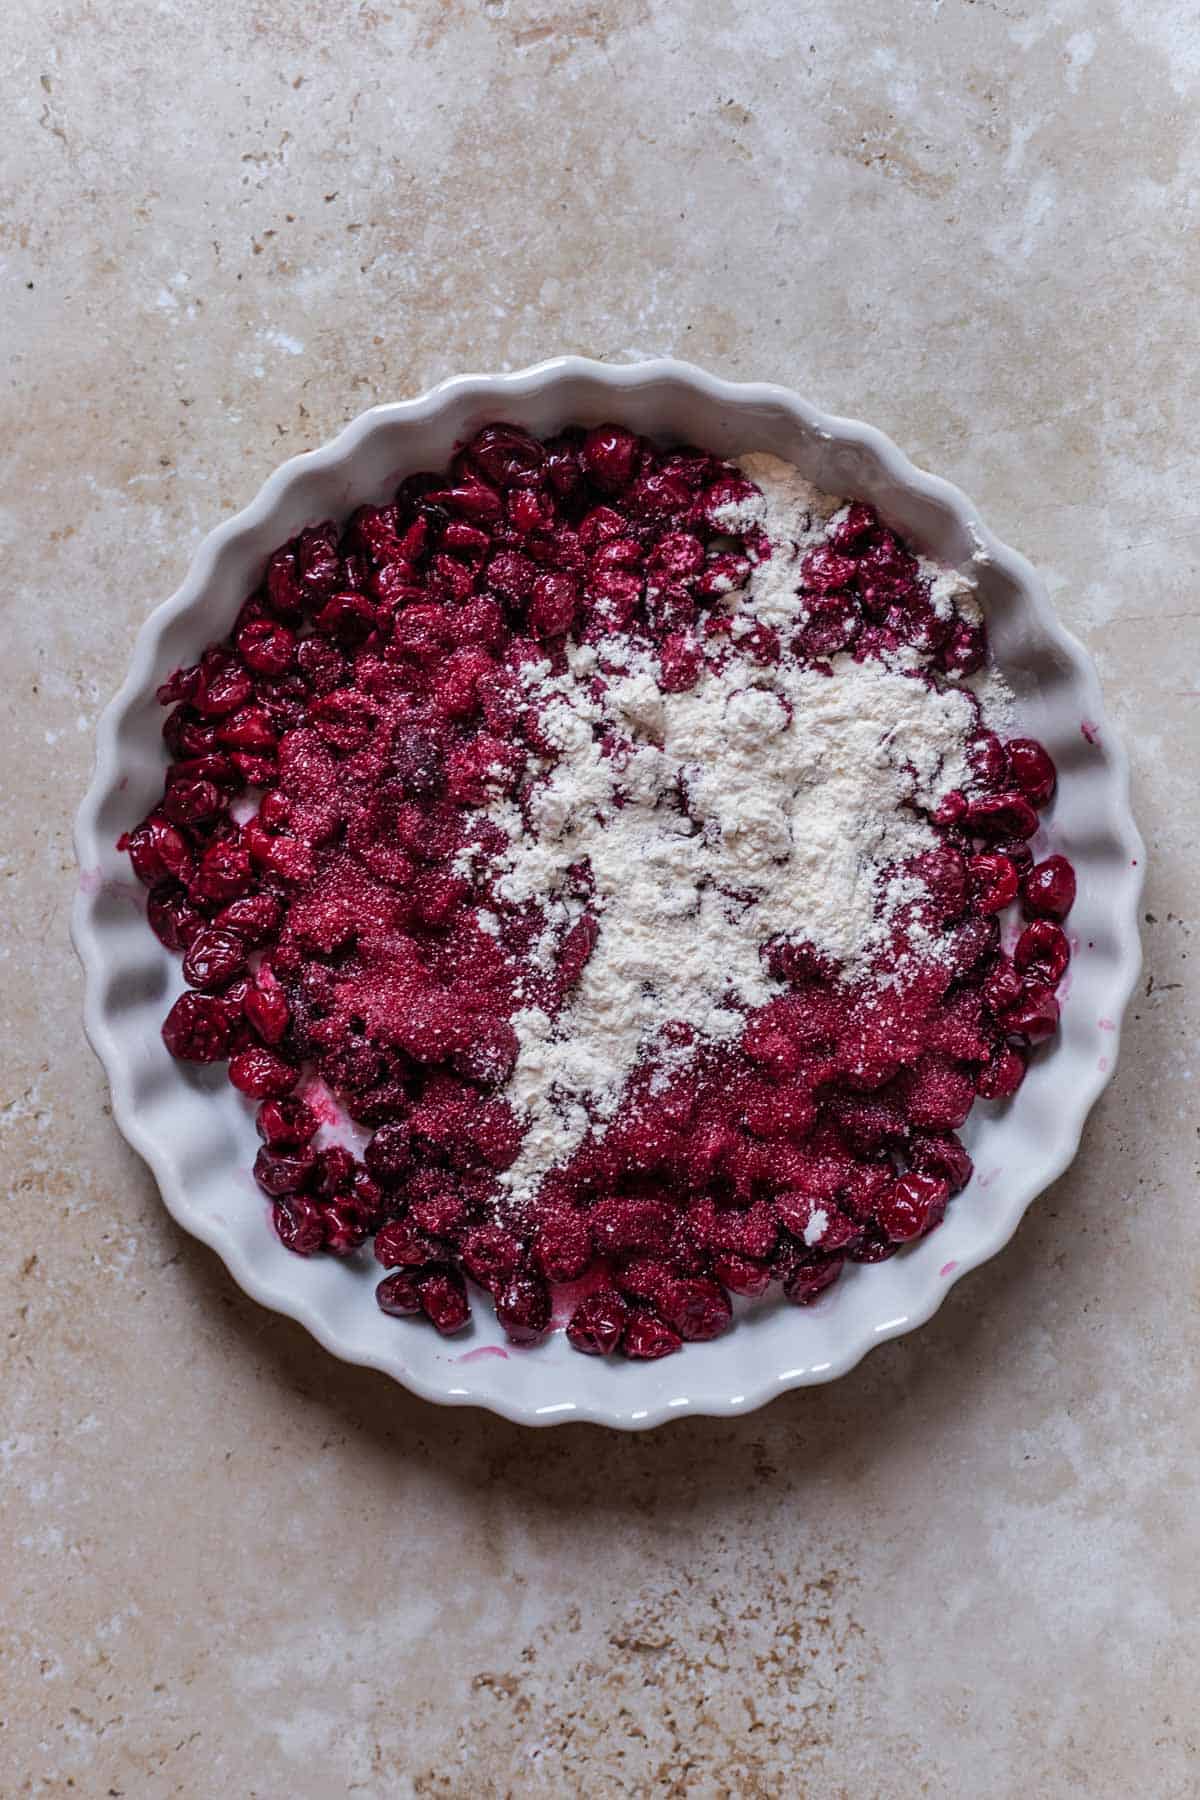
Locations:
{"points": [[1075, 1103]]}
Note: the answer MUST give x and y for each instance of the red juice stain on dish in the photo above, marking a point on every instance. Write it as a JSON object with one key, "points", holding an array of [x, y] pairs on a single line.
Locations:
{"points": [[1089, 731], [482, 1354], [408, 718], [314, 1092]]}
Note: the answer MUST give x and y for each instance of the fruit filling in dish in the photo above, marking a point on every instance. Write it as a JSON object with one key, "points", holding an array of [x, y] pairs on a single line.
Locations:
{"points": [[609, 866]]}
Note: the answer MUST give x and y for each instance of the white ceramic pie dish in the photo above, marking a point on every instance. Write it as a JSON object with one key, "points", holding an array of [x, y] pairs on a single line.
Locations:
{"points": [[198, 1135]]}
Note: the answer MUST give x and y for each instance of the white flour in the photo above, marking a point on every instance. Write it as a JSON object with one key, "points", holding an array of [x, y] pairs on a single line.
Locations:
{"points": [[761, 803]]}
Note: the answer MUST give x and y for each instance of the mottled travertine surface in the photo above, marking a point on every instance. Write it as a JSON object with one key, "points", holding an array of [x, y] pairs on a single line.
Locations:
{"points": [[234, 1567]]}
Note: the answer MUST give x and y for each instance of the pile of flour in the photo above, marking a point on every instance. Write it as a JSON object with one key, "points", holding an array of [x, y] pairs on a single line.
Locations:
{"points": [[762, 803]]}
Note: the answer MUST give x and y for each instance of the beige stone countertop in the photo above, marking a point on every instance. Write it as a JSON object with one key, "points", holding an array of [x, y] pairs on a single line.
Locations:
{"points": [[233, 1567]]}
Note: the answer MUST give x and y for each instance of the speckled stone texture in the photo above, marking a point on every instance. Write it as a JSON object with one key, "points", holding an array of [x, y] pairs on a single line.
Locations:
{"points": [[233, 1567]]}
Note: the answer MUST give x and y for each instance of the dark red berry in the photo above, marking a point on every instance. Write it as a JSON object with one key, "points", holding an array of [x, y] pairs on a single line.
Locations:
{"points": [[400, 1245], [1043, 948], [741, 1274], [1031, 768], [388, 1154], [286, 1124], [261, 1075], [334, 1171], [299, 1224], [266, 646], [562, 1248], [490, 1255], [444, 1301], [254, 917], [596, 1325], [191, 802], [523, 1308], [1048, 891], [214, 957], [810, 1278], [280, 1172], [941, 1155], [173, 919], [912, 1206], [1035, 1015], [965, 649], [993, 882], [1002, 816], [399, 1295], [848, 531], [647, 1337], [198, 1028], [697, 1309], [158, 851], [506, 455], [610, 456], [344, 1229], [1000, 1078]]}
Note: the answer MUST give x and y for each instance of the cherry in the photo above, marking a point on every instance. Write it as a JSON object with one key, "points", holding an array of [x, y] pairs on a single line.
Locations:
{"points": [[610, 456], [912, 1206], [1000, 1078], [993, 882], [1035, 1015], [344, 1228], [810, 1278], [286, 1124], [280, 1172], [266, 646], [399, 1245], [158, 851], [214, 957], [261, 1075], [299, 1224], [1031, 768], [388, 1154], [648, 1337], [444, 1301], [490, 1255], [562, 1248], [174, 921], [941, 1154], [1048, 890], [1043, 948], [399, 1295], [199, 1029], [697, 1309], [523, 1308], [597, 1324], [1002, 815], [849, 529]]}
